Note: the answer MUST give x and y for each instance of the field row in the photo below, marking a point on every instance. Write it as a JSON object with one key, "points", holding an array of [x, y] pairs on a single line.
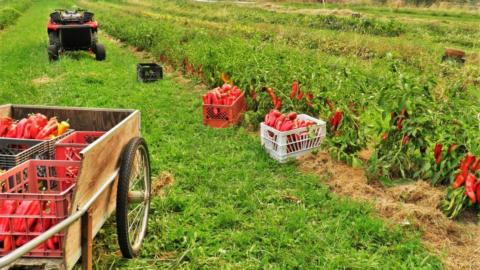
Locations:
{"points": [[435, 103]]}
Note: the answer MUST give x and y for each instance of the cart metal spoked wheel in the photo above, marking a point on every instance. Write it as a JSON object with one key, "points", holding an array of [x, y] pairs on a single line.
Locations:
{"points": [[133, 197]]}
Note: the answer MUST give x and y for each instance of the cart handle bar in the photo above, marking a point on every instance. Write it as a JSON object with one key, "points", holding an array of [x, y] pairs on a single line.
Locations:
{"points": [[19, 252]]}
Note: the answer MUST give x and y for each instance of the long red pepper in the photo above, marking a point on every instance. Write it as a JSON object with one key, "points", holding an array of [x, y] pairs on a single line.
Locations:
{"points": [[438, 153], [294, 90]]}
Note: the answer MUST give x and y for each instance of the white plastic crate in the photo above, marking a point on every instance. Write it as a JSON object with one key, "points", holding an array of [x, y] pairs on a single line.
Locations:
{"points": [[293, 143]]}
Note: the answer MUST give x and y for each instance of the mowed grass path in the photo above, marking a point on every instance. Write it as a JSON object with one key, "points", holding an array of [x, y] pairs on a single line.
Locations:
{"points": [[227, 208]]}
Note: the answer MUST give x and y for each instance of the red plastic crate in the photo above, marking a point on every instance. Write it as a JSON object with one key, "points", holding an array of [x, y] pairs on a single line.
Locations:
{"points": [[69, 148], [221, 116], [46, 184]]}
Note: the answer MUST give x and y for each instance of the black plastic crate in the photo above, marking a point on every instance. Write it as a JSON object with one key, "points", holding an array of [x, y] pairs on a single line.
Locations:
{"points": [[149, 72], [13, 152]]}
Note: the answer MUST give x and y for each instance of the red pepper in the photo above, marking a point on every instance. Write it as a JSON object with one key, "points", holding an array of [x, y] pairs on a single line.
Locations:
{"points": [[405, 140], [53, 241], [279, 122], [276, 113], [300, 95], [278, 104], [399, 123], [438, 153], [292, 116], [205, 99], [5, 123], [385, 136], [254, 95], [8, 208], [27, 130], [40, 119], [26, 208], [476, 165], [286, 125], [452, 147], [294, 90], [52, 127], [236, 92], [272, 95], [467, 163], [270, 119], [336, 119], [21, 127], [459, 180], [12, 131], [310, 96], [470, 187], [7, 243]]}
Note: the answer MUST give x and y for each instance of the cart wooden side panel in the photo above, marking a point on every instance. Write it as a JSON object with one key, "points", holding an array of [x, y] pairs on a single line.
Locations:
{"points": [[99, 162], [5, 110]]}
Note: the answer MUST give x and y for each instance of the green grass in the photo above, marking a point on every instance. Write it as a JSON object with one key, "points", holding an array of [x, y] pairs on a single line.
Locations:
{"points": [[226, 207], [10, 11]]}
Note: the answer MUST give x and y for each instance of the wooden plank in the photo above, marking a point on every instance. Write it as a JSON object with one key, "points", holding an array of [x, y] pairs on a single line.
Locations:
{"points": [[79, 118], [87, 241], [99, 161], [37, 263], [5, 110]]}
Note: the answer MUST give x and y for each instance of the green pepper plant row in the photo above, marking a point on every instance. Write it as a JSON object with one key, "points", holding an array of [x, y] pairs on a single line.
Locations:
{"points": [[364, 102]]}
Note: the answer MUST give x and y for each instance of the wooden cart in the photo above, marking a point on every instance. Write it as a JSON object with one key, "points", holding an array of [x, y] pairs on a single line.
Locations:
{"points": [[114, 174]]}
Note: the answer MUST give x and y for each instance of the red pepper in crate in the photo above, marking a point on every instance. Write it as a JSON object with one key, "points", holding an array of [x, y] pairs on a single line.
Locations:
{"points": [[26, 208], [21, 127], [12, 131], [7, 243], [8, 208], [53, 241], [50, 129], [5, 123]]}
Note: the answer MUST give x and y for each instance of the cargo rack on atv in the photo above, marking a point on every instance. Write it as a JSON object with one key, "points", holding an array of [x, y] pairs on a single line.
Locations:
{"points": [[71, 16]]}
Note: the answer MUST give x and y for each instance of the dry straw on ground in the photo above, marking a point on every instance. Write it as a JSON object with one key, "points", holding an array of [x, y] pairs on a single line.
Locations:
{"points": [[412, 204]]}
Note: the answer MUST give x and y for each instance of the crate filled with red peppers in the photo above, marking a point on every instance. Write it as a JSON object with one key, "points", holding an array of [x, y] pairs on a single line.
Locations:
{"points": [[35, 196], [223, 106]]}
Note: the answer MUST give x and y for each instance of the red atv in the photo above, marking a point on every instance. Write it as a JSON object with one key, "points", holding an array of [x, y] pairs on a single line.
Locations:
{"points": [[72, 30]]}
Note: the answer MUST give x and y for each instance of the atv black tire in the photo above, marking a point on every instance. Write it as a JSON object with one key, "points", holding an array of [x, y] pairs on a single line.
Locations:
{"points": [[53, 39], [100, 53], [52, 53]]}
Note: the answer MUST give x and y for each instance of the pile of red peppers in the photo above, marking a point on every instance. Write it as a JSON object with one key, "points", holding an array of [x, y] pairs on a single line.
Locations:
{"points": [[34, 226], [282, 122], [36, 126]]}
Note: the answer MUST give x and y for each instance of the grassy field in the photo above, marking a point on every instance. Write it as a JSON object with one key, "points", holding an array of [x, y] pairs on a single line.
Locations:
{"points": [[229, 206]]}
